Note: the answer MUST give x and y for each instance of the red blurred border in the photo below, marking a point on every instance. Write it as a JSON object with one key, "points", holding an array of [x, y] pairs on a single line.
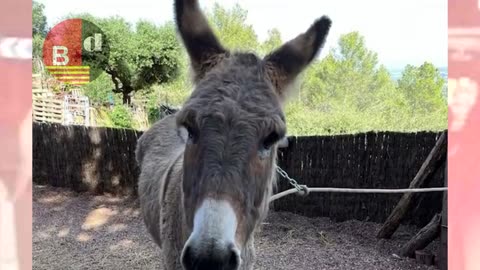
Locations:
{"points": [[464, 147], [15, 139]]}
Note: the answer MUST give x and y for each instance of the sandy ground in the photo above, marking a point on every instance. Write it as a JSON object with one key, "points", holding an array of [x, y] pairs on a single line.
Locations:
{"points": [[80, 231]]}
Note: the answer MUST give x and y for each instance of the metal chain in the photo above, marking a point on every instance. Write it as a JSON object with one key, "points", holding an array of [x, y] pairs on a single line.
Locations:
{"points": [[300, 188]]}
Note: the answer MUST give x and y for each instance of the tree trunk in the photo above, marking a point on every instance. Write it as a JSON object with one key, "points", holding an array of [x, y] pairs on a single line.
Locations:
{"points": [[424, 237], [126, 98], [120, 86], [428, 167]]}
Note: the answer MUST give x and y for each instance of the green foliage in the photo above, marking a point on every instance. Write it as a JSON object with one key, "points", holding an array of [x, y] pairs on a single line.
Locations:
{"points": [[121, 116], [153, 114], [174, 94], [39, 29], [231, 29], [348, 75], [39, 20], [348, 91], [102, 117], [422, 87], [37, 46], [273, 41], [157, 54], [140, 56], [118, 117], [100, 90]]}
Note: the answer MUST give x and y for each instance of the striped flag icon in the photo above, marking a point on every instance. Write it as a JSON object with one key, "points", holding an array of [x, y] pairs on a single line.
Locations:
{"points": [[75, 75]]}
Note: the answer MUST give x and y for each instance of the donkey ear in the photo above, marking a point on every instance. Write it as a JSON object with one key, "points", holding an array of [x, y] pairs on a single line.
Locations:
{"points": [[284, 64], [203, 48]]}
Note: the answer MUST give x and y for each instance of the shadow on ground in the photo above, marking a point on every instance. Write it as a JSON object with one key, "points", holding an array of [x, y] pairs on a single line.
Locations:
{"points": [[80, 231]]}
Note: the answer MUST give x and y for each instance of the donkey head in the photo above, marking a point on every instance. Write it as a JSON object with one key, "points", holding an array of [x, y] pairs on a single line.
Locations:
{"points": [[235, 123]]}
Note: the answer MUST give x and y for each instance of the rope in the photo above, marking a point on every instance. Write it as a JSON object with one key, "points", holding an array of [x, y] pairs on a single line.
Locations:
{"points": [[355, 190], [303, 190]]}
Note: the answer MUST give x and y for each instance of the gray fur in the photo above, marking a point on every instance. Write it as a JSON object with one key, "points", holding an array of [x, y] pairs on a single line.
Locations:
{"points": [[235, 121]]}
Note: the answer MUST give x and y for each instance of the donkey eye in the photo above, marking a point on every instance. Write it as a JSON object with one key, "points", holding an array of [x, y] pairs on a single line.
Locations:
{"points": [[270, 140], [192, 134], [267, 143]]}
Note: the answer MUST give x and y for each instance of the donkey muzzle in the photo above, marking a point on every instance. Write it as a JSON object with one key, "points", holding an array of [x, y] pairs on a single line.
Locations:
{"points": [[214, 258], [211, 246]]}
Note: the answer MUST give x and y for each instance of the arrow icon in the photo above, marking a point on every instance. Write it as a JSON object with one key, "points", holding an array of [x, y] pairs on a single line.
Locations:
{"points": [[16, 48]]}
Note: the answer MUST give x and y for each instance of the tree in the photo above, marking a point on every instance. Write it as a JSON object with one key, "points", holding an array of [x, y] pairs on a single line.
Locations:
{"points": [[100, 90], [39, 28], [272, 42], [39, 20], [140, 56], [349, 75], [231, 29], [37, 46], [423, 87], [347, 91], [425, 103]]}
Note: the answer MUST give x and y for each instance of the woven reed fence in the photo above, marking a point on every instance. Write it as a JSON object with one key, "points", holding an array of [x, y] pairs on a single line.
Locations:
{"points": [[102, 160]]}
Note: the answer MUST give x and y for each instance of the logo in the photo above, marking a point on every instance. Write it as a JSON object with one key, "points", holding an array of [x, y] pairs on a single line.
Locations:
{"points": [[76, 52]]}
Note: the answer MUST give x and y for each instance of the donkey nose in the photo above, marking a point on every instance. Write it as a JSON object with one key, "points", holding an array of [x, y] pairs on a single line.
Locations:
{"points": [[224, 257]]}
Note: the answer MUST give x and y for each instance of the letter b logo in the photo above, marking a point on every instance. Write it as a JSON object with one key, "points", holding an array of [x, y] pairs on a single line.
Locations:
{"points": [[76, 51], [60, 52]]}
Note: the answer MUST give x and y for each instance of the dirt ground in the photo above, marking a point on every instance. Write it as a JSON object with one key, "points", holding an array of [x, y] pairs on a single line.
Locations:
{"points": [[81, 231]]}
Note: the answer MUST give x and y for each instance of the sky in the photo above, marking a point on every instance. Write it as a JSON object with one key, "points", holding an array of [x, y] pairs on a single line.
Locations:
{"points": [[401, 31]]}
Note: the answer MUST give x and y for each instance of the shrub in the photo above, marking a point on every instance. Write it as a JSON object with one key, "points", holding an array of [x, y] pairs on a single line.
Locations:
{"points": [[121, 116]]}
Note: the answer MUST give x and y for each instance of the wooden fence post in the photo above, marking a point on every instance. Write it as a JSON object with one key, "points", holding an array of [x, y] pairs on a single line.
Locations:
{"points": [[443, 250], [428, 167], [424, 237]]}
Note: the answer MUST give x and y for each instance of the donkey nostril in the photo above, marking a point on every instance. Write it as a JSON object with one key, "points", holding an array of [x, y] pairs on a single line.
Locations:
{"points": [[227, 258], [187, 258], [233, 259]]}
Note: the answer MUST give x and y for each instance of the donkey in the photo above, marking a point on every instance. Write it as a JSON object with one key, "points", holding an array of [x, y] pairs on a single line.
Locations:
{"points": [[208, 170]]}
